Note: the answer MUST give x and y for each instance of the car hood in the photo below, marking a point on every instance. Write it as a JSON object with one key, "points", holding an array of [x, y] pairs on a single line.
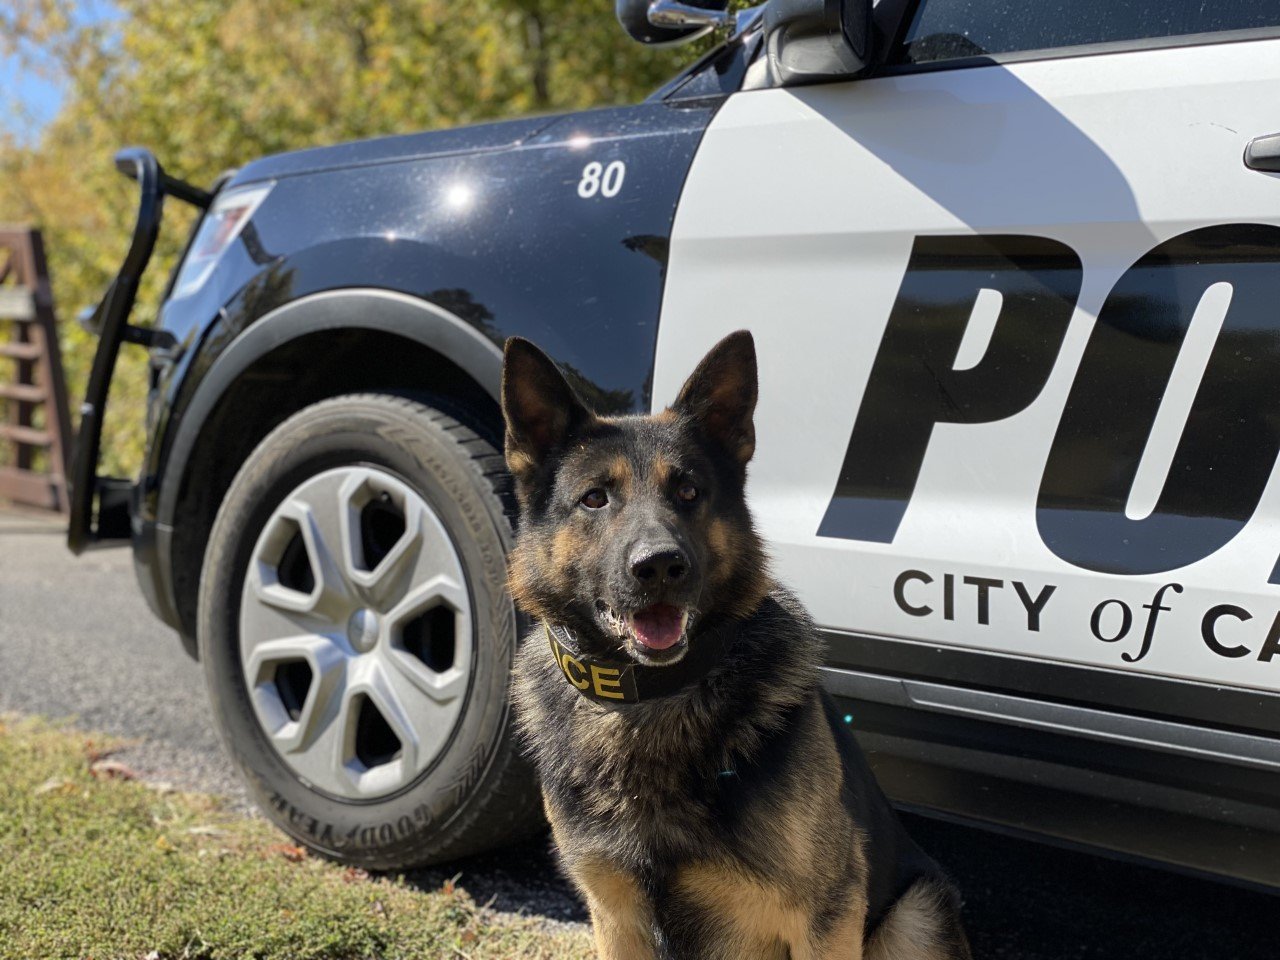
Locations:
{"points": [[413, 146]]}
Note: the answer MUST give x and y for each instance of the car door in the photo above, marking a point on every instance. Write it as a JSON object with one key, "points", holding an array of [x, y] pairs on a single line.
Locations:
{"points": [[1016, 299]]}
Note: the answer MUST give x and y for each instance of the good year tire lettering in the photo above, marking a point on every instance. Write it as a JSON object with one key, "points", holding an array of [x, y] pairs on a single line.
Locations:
{"points": [[1228, 443]]}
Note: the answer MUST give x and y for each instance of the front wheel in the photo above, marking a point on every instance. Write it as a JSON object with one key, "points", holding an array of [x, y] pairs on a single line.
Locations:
{"points": [[357, 637]]}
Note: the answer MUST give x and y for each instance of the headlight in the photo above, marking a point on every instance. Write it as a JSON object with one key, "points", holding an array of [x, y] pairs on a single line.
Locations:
{"points": [[222, 224]]}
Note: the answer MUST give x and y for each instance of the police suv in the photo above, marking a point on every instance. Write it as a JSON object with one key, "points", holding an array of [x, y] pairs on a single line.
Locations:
{"points": [[1013, 271]]}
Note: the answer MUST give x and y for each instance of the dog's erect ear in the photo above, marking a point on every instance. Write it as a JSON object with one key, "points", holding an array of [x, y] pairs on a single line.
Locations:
{"points": [[720, 396], [539, 406]]}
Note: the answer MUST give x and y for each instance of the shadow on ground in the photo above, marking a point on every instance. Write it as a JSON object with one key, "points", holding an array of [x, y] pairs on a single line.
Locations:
{"points": [[1029, 901], [1023, 900], [524, 879]]}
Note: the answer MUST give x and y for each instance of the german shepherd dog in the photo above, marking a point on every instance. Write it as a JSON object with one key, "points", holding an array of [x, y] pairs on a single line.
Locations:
{"points": [[705, 798]]}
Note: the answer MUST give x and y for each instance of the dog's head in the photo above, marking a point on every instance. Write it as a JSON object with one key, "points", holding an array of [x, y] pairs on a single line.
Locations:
{"points": [[634, 530]]}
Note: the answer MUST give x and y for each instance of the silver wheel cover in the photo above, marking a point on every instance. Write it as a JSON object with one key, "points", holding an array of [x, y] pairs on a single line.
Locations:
{"points": [[358, 681]]}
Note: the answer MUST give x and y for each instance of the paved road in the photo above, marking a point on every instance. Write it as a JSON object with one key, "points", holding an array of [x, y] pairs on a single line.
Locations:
{"points": [[76, 640]]}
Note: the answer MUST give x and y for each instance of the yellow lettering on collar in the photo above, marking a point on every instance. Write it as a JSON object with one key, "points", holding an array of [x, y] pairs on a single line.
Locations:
{"points": [[579, 681], [602, 677]]}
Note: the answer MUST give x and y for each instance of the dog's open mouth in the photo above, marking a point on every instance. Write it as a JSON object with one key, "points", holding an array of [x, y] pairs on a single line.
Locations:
{"points": [[658, 627], [654, 634]]}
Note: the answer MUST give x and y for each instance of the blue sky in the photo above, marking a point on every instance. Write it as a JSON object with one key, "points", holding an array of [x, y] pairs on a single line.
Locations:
{"points": [[28, 101], [30, 98]]}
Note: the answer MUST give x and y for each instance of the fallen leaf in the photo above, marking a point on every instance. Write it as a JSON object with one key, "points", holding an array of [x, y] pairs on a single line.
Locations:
{"points": [[55, 785], [111, 770], [163, 844], [96, 753], [288, 851], [354, 875]]}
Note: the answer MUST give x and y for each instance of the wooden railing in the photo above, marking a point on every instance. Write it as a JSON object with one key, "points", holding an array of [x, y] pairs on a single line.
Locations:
{"points": [[35, 427]]}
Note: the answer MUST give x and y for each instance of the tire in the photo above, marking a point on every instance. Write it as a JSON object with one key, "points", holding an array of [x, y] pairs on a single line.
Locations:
{"points": [[370, 778]]}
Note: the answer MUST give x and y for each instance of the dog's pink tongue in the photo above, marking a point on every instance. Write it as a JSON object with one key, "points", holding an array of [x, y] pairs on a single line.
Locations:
{"points": [[659, 626]]}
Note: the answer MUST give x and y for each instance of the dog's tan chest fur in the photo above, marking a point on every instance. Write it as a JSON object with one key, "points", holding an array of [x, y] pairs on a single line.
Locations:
{"points": [[800, 899], [761, 919]]}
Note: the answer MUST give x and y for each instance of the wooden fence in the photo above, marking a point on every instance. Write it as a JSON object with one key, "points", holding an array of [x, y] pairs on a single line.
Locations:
{"points": [[35, 426]]}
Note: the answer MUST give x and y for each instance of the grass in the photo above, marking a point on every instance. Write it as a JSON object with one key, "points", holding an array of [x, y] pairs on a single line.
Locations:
{"points": [[94, 865]]}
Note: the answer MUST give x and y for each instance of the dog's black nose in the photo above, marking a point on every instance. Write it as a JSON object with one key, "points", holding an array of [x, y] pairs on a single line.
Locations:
{"points": [[655, 567]]}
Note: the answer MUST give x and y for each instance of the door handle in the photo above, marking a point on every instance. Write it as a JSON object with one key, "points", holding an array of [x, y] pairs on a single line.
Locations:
{"points": [[1263, 153]]}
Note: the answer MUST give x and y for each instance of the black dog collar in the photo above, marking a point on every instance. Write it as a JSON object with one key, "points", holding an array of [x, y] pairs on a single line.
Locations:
{"points": [[616, 681]]}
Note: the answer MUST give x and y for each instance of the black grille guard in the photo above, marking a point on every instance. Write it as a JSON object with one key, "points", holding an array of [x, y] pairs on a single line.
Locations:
{"points": [[99, 505]]}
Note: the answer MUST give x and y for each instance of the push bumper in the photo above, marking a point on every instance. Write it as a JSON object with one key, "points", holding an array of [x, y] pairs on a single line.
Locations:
{"points": [[100, 505]]}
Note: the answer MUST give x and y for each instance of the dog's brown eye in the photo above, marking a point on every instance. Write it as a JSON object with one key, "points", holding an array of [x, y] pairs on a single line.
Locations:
{"points": [[687, 492], [594, 498]]}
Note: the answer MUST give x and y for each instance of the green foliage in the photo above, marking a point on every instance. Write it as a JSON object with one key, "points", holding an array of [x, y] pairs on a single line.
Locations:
{"points": [[97, 866], [211, 84]]}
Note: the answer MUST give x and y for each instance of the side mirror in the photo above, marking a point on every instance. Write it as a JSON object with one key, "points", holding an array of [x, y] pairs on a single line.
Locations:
{"points": [[811, 41], [668, 22]]}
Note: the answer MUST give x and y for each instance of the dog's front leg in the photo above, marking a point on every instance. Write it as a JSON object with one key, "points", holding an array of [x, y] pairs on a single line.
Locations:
{"points": [[621, 915], [843, 941]]}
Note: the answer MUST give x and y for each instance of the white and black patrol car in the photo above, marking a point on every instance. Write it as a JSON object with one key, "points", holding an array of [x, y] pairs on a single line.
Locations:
{"points": [[1013, 270]]}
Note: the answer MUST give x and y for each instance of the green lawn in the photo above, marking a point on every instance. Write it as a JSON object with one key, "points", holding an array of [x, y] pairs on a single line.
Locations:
{"points": [[96, 866]]}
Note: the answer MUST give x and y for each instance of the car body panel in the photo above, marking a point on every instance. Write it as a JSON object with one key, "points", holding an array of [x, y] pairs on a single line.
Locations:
{"points": [[414, 146], [929, 262], [1040, 162], [502, 240]]}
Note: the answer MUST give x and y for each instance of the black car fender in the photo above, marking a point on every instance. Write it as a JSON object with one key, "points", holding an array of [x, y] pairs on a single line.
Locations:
{"points": [[362, 309]]}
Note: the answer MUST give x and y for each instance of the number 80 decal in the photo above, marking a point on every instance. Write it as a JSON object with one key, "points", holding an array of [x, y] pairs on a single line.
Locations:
{"points": [[601, 179]]}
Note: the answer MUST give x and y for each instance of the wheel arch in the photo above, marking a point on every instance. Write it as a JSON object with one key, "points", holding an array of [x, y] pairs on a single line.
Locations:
{"points": [[317, 346]]}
